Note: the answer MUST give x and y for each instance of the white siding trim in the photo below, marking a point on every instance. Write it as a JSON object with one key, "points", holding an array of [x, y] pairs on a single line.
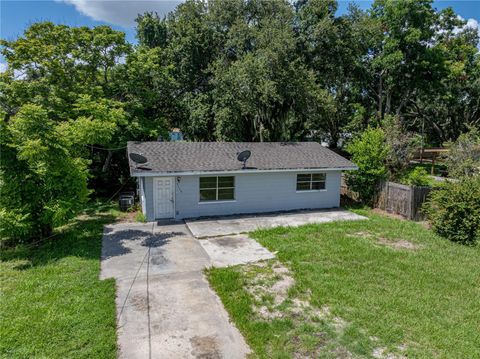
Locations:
{"points": [[142, 196], [311, 190], [216, 202]]}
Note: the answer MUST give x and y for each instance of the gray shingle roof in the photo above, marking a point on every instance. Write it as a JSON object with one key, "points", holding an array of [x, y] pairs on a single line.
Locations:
{"points": [[172, 157]]}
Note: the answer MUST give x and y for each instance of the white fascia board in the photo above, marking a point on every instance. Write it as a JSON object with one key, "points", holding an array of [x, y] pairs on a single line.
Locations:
{"points": [[226, 173]]}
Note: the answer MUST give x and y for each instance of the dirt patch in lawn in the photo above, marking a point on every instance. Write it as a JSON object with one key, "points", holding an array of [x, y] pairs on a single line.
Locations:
{"points": [[362, 234], [270, 284], [398, 244], [382, 353]]}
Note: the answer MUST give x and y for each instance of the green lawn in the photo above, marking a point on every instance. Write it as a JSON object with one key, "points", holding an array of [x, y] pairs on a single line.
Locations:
{"points": [[52, 304], [365, 295]]}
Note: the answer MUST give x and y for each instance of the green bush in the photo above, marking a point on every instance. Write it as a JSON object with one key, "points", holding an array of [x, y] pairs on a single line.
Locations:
{"points": [[417, 177], [454, 210], [369, 152], [401, 144], [14, 224], [464, 156]]}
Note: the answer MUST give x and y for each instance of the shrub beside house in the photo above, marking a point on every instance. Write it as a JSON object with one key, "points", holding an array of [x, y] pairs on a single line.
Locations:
{"points": [[453, 208]]}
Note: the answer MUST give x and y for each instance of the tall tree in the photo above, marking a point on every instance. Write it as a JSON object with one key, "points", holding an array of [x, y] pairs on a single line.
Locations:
{"points": [[263, 91], [442, 115], [403, 61], [151, 30], [335, 49], [43, 173], [58, 68], [51, 64]]}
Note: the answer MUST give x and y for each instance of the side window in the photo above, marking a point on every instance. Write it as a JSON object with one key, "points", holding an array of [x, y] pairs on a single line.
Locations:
{"points": [[220, 188], [311, 181]]}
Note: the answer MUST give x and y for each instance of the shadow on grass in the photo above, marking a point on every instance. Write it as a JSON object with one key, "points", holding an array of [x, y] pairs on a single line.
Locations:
{"points": [[80, 238]]}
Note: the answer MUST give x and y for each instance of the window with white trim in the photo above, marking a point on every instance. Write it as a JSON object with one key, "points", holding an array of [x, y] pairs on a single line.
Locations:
{"points": [[311, 181], [219, 188]]}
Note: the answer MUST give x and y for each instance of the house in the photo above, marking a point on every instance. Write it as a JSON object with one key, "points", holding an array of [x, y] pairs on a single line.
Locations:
{"points": [[195, 179], [176, 135]]}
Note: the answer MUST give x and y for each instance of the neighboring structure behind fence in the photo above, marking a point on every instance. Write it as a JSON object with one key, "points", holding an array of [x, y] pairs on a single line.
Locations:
{"points": [[401, 199], [430, 155], [396, 198]]}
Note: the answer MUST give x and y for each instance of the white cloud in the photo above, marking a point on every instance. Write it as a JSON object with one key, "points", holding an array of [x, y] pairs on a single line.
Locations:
{"points": [[3, 67], [473, 23], [470, 23], [121, 12]]}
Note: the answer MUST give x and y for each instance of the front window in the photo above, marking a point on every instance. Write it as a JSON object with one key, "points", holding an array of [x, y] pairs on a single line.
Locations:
{"points": [[310, 181], [217, 188]]}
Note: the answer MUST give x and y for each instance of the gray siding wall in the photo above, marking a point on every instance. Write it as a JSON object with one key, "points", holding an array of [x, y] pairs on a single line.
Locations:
{"points": [[254, 192]]}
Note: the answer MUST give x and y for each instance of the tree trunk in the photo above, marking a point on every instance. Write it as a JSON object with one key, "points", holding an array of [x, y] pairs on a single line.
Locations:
{"points": [[380, 96], [388, 104], [403, 103], [334, 141], [105, 75], [108, 160]]}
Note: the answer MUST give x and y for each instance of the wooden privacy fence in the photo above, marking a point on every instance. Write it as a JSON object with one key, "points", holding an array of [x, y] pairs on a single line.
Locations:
{"points": [[401, 199]]}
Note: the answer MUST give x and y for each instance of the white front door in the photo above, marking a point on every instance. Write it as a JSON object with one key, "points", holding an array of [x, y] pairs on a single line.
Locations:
{"points": [[164, 193]]}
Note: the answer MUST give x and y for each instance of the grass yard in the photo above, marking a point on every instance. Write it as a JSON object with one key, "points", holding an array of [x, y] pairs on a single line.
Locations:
{"points": [[52, 304], [377, 288]]}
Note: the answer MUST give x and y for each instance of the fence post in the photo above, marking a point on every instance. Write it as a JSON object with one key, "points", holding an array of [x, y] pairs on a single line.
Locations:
{"points": [[413, 205]]}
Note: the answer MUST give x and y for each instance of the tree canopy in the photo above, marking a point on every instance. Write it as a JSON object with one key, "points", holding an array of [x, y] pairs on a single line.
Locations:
{"points": [[242, 70]]}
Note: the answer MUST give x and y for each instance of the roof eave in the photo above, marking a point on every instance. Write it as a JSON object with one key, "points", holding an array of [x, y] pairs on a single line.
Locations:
{"points": [[240, 171]]}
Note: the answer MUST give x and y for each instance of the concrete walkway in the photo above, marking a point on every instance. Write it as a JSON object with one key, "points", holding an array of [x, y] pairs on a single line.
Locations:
{"points": [[165, 307], [222, 226], [234, 250]]}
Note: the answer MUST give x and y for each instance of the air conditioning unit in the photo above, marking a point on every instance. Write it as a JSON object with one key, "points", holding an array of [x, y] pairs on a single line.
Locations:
{"points": [[126, 200]]}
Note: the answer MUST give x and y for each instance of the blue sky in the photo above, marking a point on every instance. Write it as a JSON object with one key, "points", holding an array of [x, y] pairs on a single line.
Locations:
{"points": [[16, 15]]}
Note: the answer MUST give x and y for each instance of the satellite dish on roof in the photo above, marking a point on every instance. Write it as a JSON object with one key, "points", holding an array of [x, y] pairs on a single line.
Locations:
{"points": [[243, 157], [137, 158]]}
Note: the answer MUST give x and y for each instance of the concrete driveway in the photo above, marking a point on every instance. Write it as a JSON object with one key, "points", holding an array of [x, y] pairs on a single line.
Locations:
{"points": [[222, 226], [165, 307]]}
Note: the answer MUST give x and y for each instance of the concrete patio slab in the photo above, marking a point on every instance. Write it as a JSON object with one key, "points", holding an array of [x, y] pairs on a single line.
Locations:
{"points": [[234, 250], [223, 226], [165, 307]]}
